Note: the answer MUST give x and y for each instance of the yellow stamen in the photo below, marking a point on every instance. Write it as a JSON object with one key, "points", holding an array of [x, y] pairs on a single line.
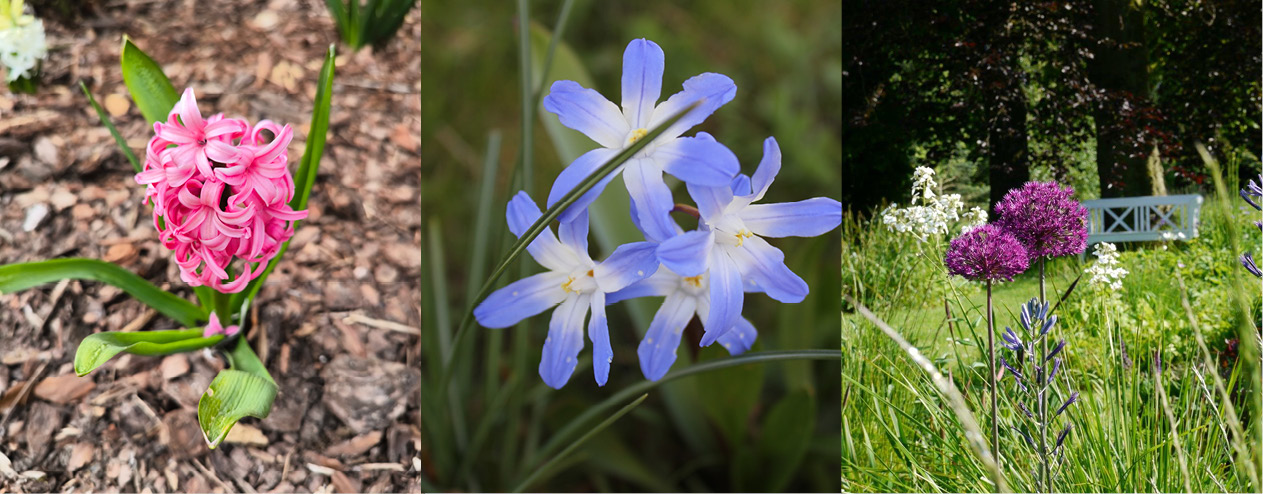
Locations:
{"points": [[637, 134], [566, 286], [742, 236], [696, 281]]}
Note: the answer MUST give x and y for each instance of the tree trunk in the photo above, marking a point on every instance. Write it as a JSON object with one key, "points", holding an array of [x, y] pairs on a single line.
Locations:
{"points": [[1008, 160], [1120, 69]]}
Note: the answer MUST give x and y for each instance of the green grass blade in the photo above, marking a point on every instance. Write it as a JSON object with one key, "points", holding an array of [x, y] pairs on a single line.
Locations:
{"points": [[645, 386], [148, 85], [105, 119], [244, 390], [306, 175], [98, 348], [15, 277], [546, 469], [528, 103]]}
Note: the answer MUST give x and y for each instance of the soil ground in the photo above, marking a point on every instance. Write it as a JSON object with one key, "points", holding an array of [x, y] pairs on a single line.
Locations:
{"points": [[337, 324]]}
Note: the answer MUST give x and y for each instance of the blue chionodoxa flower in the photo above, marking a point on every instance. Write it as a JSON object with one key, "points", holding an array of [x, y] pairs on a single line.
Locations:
{"points": [[574, 284], [694, 161], [706, 271]]}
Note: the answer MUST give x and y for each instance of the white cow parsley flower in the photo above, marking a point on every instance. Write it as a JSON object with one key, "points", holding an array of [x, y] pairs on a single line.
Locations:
{"points": [[1105, 271]]}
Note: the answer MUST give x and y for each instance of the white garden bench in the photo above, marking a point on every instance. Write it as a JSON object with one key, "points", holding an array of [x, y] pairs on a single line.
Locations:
{"points": [[1132, 219]]}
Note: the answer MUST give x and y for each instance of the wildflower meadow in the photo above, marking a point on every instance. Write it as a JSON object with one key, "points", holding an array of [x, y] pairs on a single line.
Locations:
{"points": [[1048, 249]]}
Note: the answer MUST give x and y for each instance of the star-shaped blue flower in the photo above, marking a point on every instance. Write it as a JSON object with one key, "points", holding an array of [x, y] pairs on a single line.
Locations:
{"points": [[574, 284], [694, 161], [727, 256]]}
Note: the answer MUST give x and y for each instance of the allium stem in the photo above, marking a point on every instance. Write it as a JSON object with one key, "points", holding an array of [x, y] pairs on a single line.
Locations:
{"points": [[1043, 395], [995, 423]]}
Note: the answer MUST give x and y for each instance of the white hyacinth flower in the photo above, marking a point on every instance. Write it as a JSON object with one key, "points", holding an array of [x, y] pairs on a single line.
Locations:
{"points": [[22, 43]]}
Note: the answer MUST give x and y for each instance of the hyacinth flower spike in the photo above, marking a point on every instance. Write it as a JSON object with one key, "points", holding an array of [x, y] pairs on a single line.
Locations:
{"points": [[219, 193], [728, 244], [695, 161], [574, 284]]}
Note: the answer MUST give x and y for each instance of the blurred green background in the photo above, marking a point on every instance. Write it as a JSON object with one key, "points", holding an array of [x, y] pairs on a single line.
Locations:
{"points": [[765, 427]]}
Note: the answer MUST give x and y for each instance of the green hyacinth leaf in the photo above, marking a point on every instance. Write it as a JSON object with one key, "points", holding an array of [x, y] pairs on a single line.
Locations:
{"points": [[105, 119], [99, 348], [245, 390], [16, 277], [149, 86], [305, 176]]}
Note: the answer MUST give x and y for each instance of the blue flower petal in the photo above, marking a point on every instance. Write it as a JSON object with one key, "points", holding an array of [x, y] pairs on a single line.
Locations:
{"points": [[574, 233], [740, 338], [652, 198], [643, 62], [521, 299], [726, 298], [765, 266], [547, 251], [698, 161], [657, 350], [714, 90], [565, 340], [572, 175], [807, 218], [662, 282], [687, 254], [585, 110], [711, 201], [740, 185], [628, 264], [769, 166], [599, 333]]}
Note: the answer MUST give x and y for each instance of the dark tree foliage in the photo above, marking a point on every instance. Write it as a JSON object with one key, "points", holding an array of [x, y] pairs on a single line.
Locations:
{"points": [[1206, 57], [939, 73], [999, 76]]}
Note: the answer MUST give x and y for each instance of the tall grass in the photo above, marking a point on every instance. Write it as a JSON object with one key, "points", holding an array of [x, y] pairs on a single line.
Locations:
{"points": [[1135, 429]]}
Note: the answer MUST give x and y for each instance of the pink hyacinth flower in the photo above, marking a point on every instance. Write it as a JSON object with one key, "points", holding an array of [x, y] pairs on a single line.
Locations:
{"points": [[213, 327], [220, 191]]}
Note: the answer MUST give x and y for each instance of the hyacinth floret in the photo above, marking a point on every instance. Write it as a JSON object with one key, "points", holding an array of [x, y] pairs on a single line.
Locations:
{"points": [[986, 253], [220, 190], [1045, 217]]}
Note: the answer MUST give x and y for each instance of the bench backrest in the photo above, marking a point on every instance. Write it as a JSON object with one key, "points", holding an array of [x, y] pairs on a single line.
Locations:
{"points": [[1130, 219]]}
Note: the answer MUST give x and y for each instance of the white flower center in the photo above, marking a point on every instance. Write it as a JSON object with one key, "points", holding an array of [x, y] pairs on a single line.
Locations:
{"points": [[580, 282]]}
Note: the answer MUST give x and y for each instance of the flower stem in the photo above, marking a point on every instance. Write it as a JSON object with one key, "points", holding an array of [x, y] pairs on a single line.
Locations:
{"points": [[995, 423], [221, 304], [1043, 395]]}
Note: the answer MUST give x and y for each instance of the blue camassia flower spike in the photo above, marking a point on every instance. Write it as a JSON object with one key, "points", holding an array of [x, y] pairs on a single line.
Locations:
{"points": [[695, 161], [574, 281], [713, 266]]}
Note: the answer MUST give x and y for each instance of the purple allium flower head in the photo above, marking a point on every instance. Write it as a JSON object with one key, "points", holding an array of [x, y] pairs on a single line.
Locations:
{"points": [[1045, 218], [986, 253]]}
